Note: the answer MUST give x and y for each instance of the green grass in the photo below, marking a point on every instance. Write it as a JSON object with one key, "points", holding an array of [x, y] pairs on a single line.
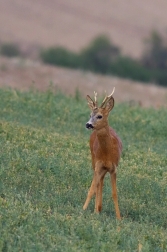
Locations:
{"points": [[45, 172]]}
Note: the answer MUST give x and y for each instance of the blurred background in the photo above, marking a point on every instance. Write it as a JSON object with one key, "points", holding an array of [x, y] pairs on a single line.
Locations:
{"points": [[86, 46]]}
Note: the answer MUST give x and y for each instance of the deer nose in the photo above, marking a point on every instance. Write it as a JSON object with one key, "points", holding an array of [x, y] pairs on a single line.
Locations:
{"points": [[89, 126]]}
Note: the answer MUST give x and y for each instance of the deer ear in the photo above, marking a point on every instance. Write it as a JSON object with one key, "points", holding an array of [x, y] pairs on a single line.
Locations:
{"points": [[91, 103], [109, 104]]}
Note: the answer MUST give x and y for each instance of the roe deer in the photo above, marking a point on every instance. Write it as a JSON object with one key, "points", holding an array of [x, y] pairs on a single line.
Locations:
{"points": [[106, 148]]}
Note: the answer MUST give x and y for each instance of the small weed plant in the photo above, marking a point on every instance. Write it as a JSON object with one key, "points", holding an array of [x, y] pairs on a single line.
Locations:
{"points": [[10, 50], [45, 171]]}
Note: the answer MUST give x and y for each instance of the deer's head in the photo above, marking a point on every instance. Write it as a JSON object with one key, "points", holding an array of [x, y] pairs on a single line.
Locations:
{"points": [[99, 115]]}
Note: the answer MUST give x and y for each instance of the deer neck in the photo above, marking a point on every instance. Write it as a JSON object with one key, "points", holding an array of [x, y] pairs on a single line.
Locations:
{"points": [[104, 138]]}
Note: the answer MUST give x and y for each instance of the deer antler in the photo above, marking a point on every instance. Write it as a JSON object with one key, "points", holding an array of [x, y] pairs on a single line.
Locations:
{"points": [[95, 97], [107, 98], [112, 92]]}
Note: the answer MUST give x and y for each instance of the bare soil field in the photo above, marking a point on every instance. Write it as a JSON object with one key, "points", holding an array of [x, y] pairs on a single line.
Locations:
{"points": [[24, 74], [73, 24]]}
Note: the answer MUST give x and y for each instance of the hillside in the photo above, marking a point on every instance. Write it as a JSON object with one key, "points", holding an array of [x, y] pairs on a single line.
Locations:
{"points": [[73, 23], [24, 74]]}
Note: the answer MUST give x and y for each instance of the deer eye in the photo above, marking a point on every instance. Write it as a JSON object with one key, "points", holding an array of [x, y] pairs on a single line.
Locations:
{"points": [[99, 117]]}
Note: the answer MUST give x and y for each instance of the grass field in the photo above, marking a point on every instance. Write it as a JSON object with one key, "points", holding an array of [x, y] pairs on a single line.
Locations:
{"points": [[45, 172]]}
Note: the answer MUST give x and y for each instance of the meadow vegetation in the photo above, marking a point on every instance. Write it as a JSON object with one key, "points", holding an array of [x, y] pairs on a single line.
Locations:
{"points": [[45, 171]]}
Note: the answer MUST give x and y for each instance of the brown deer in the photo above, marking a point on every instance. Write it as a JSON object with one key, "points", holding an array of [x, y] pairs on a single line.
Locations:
{"points": [[106, 148]]}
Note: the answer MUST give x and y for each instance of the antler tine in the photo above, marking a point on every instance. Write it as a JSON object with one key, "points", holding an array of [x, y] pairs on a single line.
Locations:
{"points": [[95, 96], [112, 93], [107, 97]]}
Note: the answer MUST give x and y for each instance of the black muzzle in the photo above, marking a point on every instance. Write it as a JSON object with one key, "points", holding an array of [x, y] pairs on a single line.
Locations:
{"points": [[89, 126]]}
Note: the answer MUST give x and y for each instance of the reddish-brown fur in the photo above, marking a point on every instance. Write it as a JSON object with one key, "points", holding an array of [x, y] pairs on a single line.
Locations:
{"points": [[106, 148]]}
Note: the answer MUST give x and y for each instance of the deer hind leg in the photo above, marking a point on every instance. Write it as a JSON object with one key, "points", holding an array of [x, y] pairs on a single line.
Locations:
{"points": [[114, 194]]}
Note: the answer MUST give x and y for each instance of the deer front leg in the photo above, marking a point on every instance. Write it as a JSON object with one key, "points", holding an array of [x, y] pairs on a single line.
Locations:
{"points": [[91, 192], [114, 194], [100, 173], [100, 195], [96, 188]]}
